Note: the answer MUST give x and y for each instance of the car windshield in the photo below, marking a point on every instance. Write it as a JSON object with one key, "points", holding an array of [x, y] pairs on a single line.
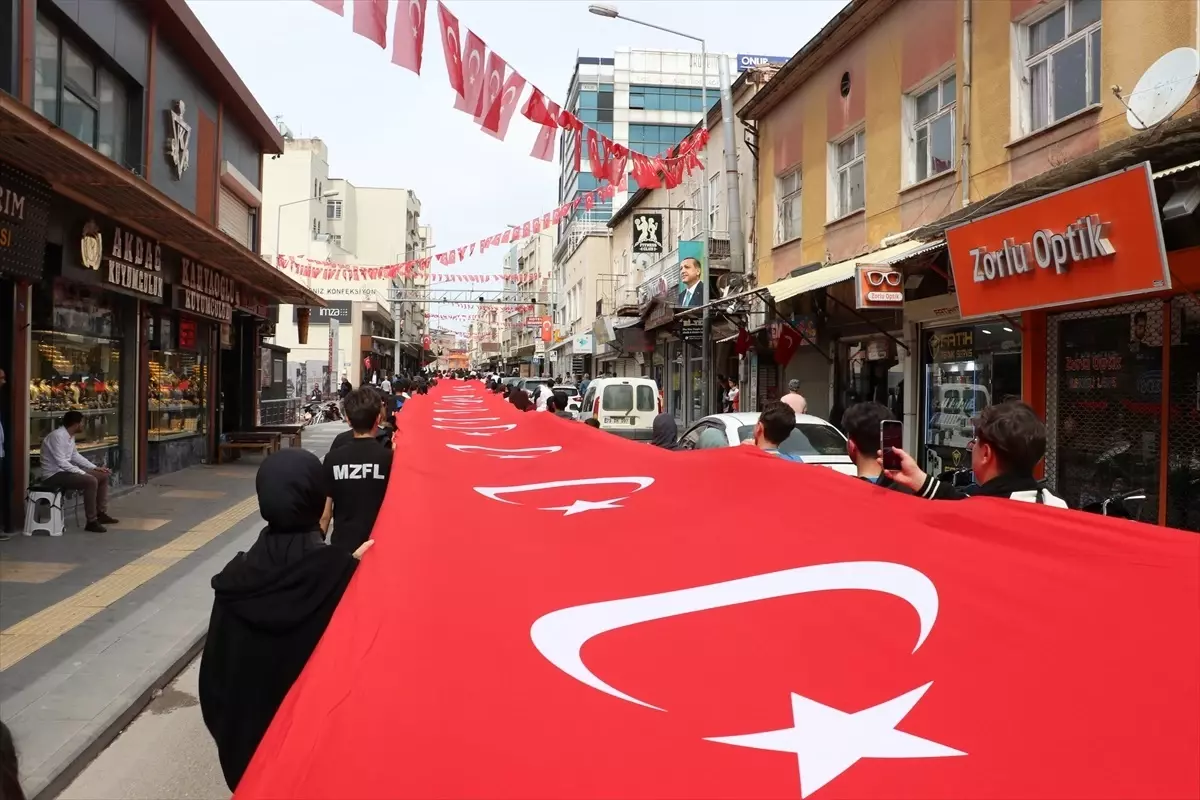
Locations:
{"points": [[806, 439], [569, 391]]}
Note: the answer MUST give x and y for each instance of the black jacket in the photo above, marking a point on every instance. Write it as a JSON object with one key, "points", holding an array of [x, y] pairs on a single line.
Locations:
{"points": [[1018, 487], [272, 603], [885, 482]]}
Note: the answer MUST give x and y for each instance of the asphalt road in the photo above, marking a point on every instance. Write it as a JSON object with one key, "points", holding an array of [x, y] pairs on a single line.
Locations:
{"points": [[165, 753]]}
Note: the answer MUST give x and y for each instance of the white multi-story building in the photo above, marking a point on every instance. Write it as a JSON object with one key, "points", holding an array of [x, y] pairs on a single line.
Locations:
{"points": [[647, 100], [529, 272], [307, 213]]}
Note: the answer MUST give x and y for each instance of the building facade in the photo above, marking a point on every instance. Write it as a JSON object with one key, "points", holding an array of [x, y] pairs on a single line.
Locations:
{"points": [[131, 286], [310, 214], [909, 137], [647, 100]]}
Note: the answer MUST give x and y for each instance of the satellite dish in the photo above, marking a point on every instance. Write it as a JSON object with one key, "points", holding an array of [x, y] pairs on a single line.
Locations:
{"points": [[1163, 88]]}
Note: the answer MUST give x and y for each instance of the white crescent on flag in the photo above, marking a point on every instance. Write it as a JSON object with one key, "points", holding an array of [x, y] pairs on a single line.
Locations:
{"points": [[415, 16], [577, 507], [499, 452]]}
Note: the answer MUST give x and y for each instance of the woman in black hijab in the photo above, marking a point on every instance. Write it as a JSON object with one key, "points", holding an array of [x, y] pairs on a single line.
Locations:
{"points": [[665, 432], [272, 604]]}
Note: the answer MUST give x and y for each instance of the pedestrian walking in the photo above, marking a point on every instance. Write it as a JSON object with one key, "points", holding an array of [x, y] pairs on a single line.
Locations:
{"points": [[271, 604], [796, 400], [357, 475]]}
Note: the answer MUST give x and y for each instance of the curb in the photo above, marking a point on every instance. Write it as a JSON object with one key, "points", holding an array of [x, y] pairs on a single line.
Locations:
{"points": [[78, 753]]}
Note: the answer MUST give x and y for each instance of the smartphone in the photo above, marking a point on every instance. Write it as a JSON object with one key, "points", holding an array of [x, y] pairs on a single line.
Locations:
{"points": [[891, 436]]}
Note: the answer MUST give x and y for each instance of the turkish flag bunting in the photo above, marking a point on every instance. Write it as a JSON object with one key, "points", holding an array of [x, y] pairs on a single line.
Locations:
{"points": [[408, 36], [543, 145], [450, 47], [370, 20], [336, 6], [539, 110], [789, 341], [570, 122], [474, 56], [744, 342], [527, 627]]}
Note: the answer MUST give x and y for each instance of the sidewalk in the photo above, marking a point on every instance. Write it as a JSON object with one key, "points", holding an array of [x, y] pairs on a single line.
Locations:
{"points": [[91, 625]]}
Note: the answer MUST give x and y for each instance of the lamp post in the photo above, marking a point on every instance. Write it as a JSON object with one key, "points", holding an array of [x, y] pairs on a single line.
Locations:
{"points": [[279, 212], [610, 12]]}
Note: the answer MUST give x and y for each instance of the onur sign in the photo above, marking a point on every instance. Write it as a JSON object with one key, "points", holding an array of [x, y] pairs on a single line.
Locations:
{"points": [[1083, 240]]}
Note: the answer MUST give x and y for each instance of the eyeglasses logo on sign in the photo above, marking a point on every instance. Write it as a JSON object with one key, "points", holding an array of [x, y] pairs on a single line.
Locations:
{"points": [[1083, 240]]}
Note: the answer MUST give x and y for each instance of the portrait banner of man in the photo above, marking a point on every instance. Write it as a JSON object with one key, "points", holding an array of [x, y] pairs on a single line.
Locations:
{"points": [[693, 275]]}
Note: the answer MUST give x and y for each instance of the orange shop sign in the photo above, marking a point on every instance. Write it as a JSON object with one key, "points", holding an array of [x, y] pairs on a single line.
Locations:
{"points": [[1094, 241]]}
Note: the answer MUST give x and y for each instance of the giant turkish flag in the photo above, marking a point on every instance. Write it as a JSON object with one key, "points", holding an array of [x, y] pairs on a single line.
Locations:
{"points": [[553, 612]]}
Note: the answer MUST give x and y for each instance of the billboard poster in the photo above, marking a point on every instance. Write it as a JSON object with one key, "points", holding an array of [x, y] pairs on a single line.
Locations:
{"points": [[693, 274]]}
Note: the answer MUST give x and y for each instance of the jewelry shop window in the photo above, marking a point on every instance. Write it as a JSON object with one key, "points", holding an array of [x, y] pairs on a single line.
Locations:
{"points": [[76, 366], [178, 386]]}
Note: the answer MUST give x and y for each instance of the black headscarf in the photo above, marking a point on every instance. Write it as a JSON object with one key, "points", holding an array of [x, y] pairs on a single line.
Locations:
{"points": [[271, 605], [520, 399], [665, 431]]}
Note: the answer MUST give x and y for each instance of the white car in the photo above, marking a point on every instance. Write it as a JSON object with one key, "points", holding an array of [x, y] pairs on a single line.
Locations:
{"points": [[814, 440]]}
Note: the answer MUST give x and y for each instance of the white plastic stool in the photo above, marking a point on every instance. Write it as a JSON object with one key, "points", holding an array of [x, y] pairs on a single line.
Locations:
{"points": [[47, 503]]}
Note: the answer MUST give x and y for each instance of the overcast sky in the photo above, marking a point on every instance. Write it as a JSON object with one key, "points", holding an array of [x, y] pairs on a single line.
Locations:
{"points": [[385, 126]]}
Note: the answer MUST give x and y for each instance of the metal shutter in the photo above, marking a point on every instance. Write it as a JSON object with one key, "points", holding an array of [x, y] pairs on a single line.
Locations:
{"points": [[235, 217]]}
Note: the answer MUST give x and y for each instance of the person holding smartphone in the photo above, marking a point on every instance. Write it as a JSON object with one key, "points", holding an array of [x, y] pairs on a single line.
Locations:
{"points": [[1009, 442], [873, 432]]}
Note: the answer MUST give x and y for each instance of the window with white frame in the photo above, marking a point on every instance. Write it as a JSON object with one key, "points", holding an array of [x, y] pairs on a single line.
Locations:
{"points": [[850, 174], [931, 135], [787, 206], [1062, 63], [336, 238], [333, 209], [715, 220], [679, 224]]}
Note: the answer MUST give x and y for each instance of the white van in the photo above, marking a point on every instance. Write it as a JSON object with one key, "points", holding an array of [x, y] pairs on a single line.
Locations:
{"points": [[624, 406]]}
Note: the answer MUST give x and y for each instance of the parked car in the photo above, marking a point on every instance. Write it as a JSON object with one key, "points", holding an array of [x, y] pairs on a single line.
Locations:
{"points": [[624, 406], [531, 385], [813, 439]]}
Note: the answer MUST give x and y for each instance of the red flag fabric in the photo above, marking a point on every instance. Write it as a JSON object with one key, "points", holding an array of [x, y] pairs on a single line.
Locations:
{"points": [[543, 146], [527, 626], [474, 56], [408, 36], [789, 341], [336, 6], [370, 20], [451, 47], [744, 341], [513, 86]]}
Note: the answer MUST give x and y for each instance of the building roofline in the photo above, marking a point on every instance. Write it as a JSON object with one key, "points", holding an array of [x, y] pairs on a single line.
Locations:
{"points": [[845, 26], [185, 33]]}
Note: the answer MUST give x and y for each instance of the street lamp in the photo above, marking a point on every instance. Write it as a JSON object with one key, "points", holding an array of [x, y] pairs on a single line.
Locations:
{"points": [[610, 12], [279, 213]]}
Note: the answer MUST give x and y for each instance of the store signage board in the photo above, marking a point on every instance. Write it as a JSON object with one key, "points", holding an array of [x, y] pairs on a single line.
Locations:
{"points": [[125, 260], [205, 292], [339, 310], [647, 233], [24, 216], [878, 286], [1094, 241]]}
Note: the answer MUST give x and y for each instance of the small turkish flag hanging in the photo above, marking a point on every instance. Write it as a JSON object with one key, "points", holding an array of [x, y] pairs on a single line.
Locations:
{"points": [[450, 48], [370, 20], [744, 341], [336, 6], [473, 56], [789, 340], [544, 112], [513, 87], [408, 36]]}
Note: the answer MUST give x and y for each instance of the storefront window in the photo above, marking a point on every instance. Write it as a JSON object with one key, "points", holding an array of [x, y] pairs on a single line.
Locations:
{"points": [[1183, 437], [76, 366], [1107, 396], [967, 368], [178, 387]]}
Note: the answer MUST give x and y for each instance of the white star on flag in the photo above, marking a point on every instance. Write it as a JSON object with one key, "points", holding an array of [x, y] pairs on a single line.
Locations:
{"points": [[827, 741]]}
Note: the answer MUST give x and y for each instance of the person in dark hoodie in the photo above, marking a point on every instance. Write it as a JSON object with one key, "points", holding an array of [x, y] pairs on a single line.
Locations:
{"points": [[520, 399], [1009, 442], [861, 424], [271, 605], [665, 432]]}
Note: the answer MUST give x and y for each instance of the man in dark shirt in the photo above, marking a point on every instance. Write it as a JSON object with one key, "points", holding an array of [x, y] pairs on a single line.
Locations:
{"points": [[356, 474]]}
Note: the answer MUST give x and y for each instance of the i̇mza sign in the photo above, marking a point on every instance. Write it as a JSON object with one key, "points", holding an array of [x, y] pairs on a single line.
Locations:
{"points": [[1094, 241]]}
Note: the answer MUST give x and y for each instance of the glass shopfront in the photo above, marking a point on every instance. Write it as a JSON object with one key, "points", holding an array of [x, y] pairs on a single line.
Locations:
{"points": [[77, 344], [177, 403], [966, 367]]}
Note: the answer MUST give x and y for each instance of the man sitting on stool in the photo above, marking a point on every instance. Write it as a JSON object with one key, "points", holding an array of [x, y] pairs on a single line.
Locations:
{"points": [[64, 469]]}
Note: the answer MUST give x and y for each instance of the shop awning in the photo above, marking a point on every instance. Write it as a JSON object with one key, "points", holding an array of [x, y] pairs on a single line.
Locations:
{"points": [[841, 271], [385, 339], [74, 170]]}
